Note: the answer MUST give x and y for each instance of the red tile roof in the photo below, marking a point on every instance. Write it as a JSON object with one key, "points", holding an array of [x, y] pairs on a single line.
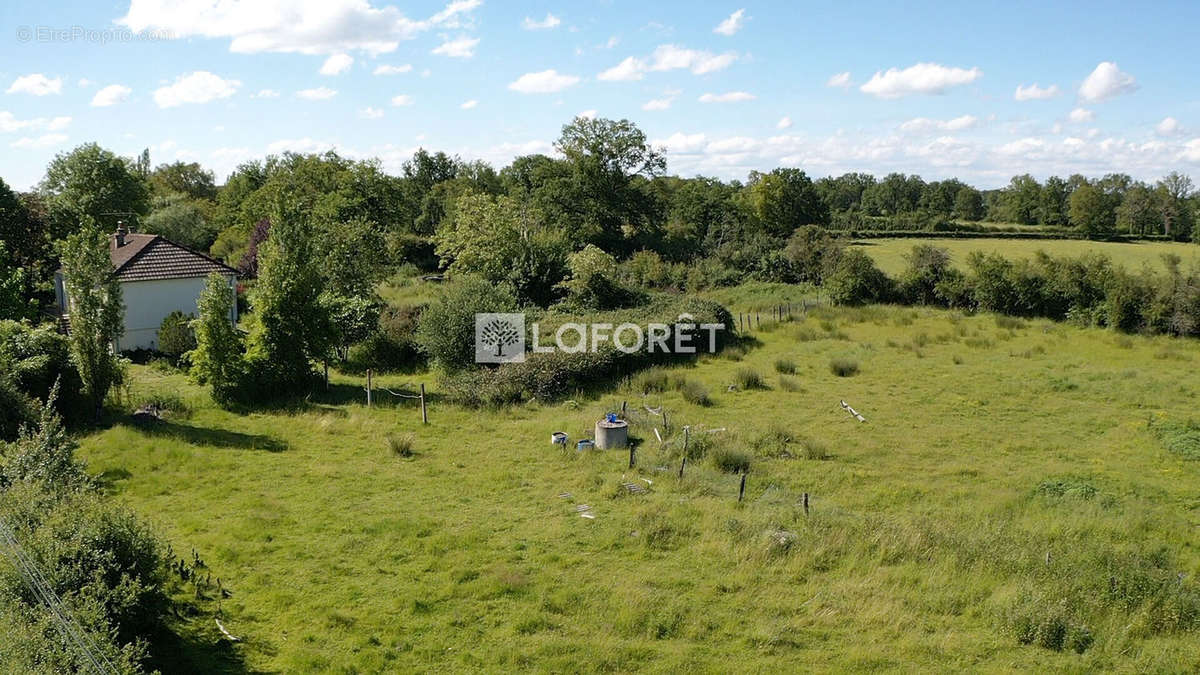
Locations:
{"points": [[148, 257]]}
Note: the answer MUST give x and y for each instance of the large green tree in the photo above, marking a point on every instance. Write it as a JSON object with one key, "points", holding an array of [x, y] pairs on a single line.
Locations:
{"points": [[217, 359], [1091, 211], [785, 199], [91, 183], [96, 311]]}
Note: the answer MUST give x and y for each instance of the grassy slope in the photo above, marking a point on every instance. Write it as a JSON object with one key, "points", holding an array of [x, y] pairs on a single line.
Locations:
{"points": [[924, 522], [889, 253]]}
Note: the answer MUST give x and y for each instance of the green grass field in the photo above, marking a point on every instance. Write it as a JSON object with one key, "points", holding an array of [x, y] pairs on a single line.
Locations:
{"points": [[889, 253], [1006, 476]]}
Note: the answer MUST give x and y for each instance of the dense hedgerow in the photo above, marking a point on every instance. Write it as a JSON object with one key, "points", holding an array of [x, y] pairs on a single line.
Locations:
{"points": [[551, 375]]}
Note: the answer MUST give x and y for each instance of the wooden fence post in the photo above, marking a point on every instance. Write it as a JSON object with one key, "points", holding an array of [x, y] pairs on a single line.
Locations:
{"points": [[326, 374], [368, 387], [631, 451], [806, 503], [424, 414], [742, 489]]}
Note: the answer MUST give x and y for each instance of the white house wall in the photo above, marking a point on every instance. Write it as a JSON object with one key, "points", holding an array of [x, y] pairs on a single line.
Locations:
{"points": [[147, 303]]}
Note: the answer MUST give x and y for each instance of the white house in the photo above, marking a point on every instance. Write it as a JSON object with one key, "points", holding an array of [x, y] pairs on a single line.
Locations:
{"points": [[157, 277]]}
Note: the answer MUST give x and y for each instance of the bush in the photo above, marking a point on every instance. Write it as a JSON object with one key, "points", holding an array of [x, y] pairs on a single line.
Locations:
{"points": [[43, 454], [730, 460], [748, 378], [1182, 439], [176, 336], [843, 367], [785, 366], [856, 280], [401, 445], [392, 345], [447, 329], [32, 360], [774, 442], [693, 392]]}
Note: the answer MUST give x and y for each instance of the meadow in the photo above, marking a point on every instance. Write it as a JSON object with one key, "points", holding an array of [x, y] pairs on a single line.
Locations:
{"points": [[1007, 505], [889, 253]]}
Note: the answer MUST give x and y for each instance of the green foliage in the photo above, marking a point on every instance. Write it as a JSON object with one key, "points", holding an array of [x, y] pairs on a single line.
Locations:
{"points": [[392, 345], [401, 445], [930, 279], [43, 454], [96, 311], [32, 360], [856, 281], [593, 281], [695, 393], [176, 336], [88, 185], [1182, 439], [447, 328], [13, 283], [185, 178], [813, 253], [217, 359], [353, 319], [784, 200], [785, 366], [651, 381], [182, 219], [505, 241], [290, 326]]}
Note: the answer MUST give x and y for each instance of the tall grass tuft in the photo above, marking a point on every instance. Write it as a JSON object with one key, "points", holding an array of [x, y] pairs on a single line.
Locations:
{"points": [[401, 445], [843, 367], [730, 460], [651, 381], [695, 393], [785, 366], [748, 378], [789, 383]]}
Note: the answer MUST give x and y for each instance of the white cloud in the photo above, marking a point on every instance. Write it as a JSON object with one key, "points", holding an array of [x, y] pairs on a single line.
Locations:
{"points": [[543, 82], [370, 113], [841, 80], [9, 123], [784, 123], [547, 23], [1191, 150], [84, 82], [1035, 93], [402, 100], [392, 70], [300, 145], [587, 114], [1169, 126], [669, 57], [317, 94], [36, 84], [921, 125], [613, 41], [198, 87], [266, 93], [336, 64], [304, 26], [111, 95], [682, 143], [727, 97], [467, 105], [1081, 115], [1105, 82], [922, 78], [460, 48], [627, 70], [44, 141], [733, 24], [658, 104]]}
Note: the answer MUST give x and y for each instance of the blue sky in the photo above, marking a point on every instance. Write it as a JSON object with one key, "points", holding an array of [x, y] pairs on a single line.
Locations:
{"points": [[938, 89]]}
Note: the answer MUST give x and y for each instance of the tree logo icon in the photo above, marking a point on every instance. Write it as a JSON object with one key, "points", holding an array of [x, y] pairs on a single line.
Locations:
{"points": [[499, 338]]}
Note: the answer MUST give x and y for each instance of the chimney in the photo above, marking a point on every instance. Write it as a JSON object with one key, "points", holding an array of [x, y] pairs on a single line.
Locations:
{"points": [[121, 232]]}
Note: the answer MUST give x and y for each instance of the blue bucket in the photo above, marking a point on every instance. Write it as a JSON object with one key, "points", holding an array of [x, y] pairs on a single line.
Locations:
{"points": [[585, 444]]}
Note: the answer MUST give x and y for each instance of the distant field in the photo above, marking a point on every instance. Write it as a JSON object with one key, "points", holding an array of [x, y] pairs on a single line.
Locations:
{"points": [[1005, 487], [889, 253]]}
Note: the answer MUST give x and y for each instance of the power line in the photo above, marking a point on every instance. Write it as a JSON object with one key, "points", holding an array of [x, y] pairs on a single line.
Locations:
{"points": [[72, 633]]}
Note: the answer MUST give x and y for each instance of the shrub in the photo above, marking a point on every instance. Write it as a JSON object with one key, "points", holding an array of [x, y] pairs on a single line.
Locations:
{"points": [[785, 366], [748, 378], [176, 336], [43, 454], [730, 460], [32, 360], [401, 445], [693, 392], [392, 345], [447, 328], [856, 280], [773, 442], [1182, 439], [790, 384], [843, 367]]}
